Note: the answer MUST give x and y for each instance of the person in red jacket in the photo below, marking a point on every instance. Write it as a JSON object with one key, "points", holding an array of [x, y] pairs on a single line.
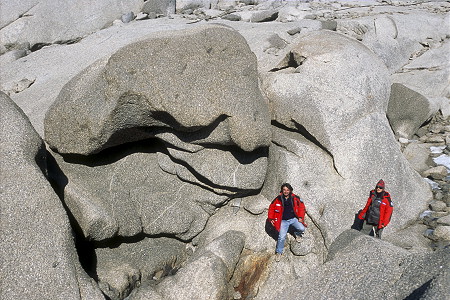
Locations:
{"points": [[286, 210], [378, 210]]}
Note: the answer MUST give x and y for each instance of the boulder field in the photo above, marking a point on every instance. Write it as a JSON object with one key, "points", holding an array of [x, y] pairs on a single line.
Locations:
{"points": [[142, 143]]}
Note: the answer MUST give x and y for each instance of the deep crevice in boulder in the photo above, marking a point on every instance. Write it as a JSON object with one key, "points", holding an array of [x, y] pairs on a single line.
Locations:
{"points": [[209, 185], [84, 248], [290, 61], [38, 46], [307, 135]]}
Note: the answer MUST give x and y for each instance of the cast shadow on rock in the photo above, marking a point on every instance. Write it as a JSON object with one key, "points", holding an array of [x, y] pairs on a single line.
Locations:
{"points": [[85, 249]]}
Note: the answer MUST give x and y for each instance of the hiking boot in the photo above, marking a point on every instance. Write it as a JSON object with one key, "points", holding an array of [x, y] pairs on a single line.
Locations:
{"points": [[277, 257], [298, 238]]}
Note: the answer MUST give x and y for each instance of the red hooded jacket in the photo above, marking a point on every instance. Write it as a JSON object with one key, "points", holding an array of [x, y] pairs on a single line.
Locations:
{"points": [[386, 208], [276, 210]]}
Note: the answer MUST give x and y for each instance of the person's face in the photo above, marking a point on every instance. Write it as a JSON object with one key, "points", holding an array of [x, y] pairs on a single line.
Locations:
{"points": [[286, 191], [379, 189]]}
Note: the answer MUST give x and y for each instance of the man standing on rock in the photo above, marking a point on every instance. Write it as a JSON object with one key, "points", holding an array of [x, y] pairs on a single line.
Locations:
{"points": [[286, 210], [378, 210]]}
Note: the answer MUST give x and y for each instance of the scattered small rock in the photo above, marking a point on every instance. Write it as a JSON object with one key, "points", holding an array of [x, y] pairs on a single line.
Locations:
{"points": [[444, 220], [438, 206], [232, 17], [439, 172], [294, 31], [430, 221], [141, 16], [442, 233], [128, 17], [264, 16]]}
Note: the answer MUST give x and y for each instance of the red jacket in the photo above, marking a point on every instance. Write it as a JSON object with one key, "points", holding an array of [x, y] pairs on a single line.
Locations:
{"points": [[276, 210], [386, 209]]}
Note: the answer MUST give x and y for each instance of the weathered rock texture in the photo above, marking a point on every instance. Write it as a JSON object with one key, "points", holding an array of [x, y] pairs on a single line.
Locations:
{"points": [[336, 102], [122, 269], [202, 75], [356, 260], [46, 22], [39, 259], [212, 268], [197, 96], [162, 136], [407, 110]]}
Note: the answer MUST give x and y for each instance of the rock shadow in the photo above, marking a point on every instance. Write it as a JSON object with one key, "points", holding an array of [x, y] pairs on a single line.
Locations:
{"points": [[85, 249]]}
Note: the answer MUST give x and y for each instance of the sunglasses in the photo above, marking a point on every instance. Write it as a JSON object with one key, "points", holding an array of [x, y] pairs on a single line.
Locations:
{"points": [[379, 187]]}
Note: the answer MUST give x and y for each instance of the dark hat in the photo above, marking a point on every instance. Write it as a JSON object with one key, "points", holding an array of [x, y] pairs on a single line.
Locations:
{"points": [[380, 183]]}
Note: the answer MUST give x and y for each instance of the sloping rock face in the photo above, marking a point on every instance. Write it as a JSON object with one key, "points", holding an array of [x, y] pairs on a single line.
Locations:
{"points": [[356, 261], [193, 96], [429, 72], [212, 268], [39, 259], [337, 101], [396, 37], [407, 110], [46, 22]]}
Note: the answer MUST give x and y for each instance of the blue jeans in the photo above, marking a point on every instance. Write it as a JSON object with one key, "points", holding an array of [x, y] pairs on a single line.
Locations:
{"points": [[299, 229]]}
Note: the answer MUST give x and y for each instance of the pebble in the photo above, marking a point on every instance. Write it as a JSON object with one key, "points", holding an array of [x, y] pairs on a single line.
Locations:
{"points": [[444, 220], [438, 206], [128, 17], [403, 140], [442, 233], [439, 172]]}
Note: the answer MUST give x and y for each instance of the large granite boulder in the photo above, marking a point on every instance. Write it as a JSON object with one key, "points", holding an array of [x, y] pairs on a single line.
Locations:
{"points": [[336, 101], [185, 124], [43, 68], [123, 268], [205, 75], [38, 253], [428, 73], [397, 37], [212, 268], [357, 260], [407, 110], [46, 22]]}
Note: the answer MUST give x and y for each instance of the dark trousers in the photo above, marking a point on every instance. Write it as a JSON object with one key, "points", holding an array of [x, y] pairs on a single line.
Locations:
{"points": [[372, 230]]}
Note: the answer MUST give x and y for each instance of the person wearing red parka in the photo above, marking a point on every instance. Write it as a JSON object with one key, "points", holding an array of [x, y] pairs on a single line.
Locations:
{"points": [[378, 210], [286, 210]]}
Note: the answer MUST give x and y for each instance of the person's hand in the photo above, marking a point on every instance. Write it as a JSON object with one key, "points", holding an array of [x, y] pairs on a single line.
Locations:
{"points": [[300, 220], [382, 226], [272, 222]]}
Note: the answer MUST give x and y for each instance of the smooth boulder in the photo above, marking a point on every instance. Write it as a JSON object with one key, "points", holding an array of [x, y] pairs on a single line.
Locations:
{"points": [[205, 75], [39, 259], [336, 101], [407, 110], [46, 22]]}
